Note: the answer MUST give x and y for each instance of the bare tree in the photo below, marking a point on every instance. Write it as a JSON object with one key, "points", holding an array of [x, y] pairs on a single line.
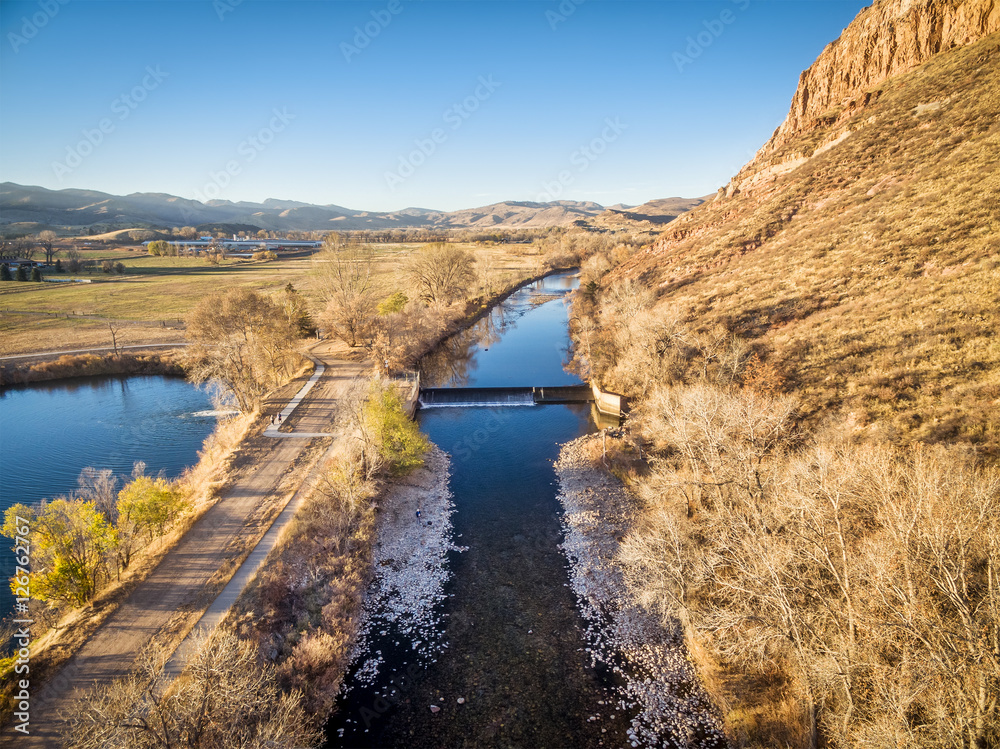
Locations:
{"points": [[73, 260], [227, 698], [345, 278], [141, 235], [242, 340], [867, 573], [100, 487], [46, 238], [490, 278], [115, 328], [442, 272]]}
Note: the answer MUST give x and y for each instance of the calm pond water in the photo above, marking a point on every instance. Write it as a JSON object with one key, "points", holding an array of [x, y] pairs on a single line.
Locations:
{"points": [[51, 431], [515, 650]]}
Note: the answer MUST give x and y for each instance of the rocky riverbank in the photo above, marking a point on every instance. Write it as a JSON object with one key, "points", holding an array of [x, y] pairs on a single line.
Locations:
{"points": [[655, 680], [401, 615]]}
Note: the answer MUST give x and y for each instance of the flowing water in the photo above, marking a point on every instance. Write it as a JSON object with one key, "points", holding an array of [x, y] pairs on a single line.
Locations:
{"points": [[512, 647]]}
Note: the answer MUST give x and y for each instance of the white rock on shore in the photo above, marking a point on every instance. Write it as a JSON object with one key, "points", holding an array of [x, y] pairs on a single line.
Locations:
{"points": [[410, 567], [660, 684]]}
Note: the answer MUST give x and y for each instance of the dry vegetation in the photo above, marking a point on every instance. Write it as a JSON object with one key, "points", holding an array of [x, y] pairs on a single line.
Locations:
{"points": [[226, 698], [396, 312], [245, 342], [91, 365], [869, 274], [815, 376], [151, 298], [302, 610]]}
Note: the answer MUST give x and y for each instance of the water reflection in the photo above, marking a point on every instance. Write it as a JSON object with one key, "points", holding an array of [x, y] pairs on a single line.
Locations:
{"points": [[51, 431], [497, 351]]}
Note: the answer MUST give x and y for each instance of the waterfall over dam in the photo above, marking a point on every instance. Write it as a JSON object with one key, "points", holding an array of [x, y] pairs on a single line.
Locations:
{"points": [[503, 396]]}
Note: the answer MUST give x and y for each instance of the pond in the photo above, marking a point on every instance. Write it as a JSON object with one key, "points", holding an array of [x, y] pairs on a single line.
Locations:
{"points": [[50, 432]]}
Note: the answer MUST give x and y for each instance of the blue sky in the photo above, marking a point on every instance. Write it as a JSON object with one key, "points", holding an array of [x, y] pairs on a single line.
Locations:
{"points": [[441, 104]]}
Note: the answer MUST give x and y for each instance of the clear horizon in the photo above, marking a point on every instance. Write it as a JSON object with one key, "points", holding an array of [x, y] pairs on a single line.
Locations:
{"points": [[381, 106]]}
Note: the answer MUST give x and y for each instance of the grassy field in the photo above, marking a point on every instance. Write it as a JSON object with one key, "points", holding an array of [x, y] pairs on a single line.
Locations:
{"points": [[156, 292]]}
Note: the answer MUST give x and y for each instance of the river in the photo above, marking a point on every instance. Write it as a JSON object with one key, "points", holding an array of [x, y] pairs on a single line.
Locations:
{"points": [[512, 645], [50, 432]]}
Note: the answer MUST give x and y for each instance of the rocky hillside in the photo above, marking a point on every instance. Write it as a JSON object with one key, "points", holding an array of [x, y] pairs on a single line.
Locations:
{"points": [[860, 249], [887, 39]]}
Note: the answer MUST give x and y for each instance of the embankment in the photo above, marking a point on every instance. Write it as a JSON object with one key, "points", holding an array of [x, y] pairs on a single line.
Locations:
{"points": [[344, 569], [312, 607], [91, 365], [201, 485]]}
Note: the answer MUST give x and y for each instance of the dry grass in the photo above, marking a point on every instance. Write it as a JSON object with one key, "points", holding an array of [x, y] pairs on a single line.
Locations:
{"points": [[866, 284], [760, 710], [871, 272], [91, 365], [156, 292], [302, 609]]}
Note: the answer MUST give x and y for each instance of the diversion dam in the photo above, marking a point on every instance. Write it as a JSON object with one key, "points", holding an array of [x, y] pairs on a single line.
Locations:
{"points": [[473, 397]]}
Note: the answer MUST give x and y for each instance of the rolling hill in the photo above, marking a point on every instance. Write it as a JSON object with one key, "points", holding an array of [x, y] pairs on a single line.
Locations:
{"points": [[32, 209]]}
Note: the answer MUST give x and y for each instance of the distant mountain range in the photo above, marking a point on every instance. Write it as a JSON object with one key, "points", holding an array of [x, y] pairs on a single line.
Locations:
{"points": [[33, 209]]}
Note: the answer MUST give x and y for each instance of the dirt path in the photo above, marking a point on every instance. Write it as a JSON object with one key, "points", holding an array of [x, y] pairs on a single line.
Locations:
{"points": [[44, 355], [169, 602]]}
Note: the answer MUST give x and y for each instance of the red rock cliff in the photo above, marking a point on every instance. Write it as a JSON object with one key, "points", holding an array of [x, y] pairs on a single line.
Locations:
{"points": [[886, 39]]}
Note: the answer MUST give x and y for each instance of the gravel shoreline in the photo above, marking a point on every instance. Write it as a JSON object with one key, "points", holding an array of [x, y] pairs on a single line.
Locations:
{"points": [[415, 534], [656, 681]]}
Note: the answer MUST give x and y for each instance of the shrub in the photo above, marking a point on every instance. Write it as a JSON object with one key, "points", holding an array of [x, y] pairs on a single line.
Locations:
{"points": [[227, 699], [399, 439], [393, 303]]}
